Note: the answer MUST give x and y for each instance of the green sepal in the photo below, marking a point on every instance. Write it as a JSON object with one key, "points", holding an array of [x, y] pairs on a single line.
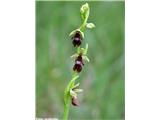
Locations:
{"points": [[75, 86], [86, 58], [90, 25], [74, 56], [78, 90], [74, 32], [72, 93]]}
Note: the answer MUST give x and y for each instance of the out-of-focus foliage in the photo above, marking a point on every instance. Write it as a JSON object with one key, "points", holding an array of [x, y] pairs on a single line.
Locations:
{"points": [[102, 79]]}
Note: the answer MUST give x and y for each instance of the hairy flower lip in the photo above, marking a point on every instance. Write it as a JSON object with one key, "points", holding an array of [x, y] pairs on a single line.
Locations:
{"points": [[78, 63], [79, 58], [77, 38], [76, 42], [75, 101], [78, 66]]}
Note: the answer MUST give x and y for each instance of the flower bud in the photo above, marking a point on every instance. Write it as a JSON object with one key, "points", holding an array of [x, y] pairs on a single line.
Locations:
{"points": [[84, 11]]}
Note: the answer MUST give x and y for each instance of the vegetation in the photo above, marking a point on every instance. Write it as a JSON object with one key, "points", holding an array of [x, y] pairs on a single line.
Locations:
{"points": [[102, 79]]}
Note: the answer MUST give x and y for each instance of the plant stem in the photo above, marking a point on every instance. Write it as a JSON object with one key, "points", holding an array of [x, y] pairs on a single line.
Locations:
{"points": [[66, 109], [82, 27], [67, 97]]}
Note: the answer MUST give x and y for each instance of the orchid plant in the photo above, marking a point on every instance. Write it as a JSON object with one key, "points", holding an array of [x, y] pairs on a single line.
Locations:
{"points": [[77, 36]]}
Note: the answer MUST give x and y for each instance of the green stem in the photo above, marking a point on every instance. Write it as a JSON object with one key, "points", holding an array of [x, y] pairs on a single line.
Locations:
{"points": [[82, 27], [66, 109], [67, 96]]}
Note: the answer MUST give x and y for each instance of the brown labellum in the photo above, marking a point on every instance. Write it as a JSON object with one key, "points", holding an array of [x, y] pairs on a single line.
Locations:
{"points": [[78, 64], [75, 101], [77, 38]]}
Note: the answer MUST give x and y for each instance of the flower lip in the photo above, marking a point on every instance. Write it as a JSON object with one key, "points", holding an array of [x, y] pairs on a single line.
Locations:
{"points": [[78, 62], [78, 66], [77, 39], [76, 42], [75, 101], [79, 58]]}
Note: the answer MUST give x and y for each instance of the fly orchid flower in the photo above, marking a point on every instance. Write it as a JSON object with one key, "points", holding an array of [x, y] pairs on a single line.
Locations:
{"points": [[73, 92], [80, 56]]}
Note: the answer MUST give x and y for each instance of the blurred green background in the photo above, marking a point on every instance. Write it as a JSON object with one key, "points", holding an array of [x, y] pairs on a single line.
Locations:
{"points": [[102, 79]]}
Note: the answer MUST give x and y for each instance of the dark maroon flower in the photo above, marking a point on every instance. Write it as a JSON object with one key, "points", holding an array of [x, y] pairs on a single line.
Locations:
{"points": [[79, 58], [75, 101], [77, 39], [78, 66]]}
